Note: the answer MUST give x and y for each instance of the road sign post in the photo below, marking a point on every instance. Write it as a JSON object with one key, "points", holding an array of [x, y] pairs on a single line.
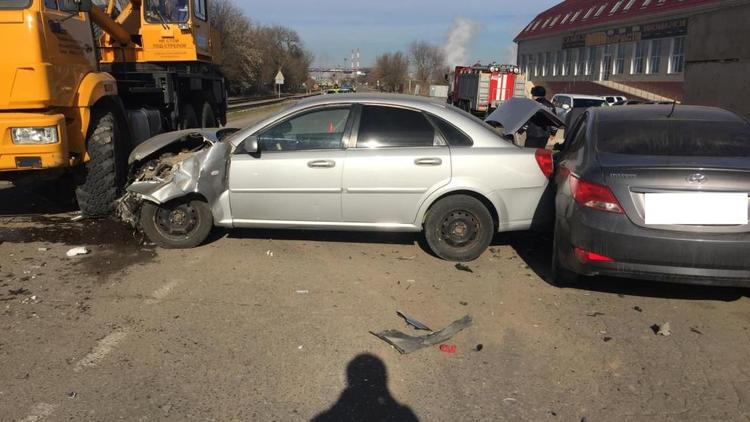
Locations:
{"points": [[279, 81]]}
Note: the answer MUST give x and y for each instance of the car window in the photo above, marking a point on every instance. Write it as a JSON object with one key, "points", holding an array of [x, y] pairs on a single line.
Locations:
{"points": [[454, 136], [578, 137], [566, 100], [588, 102], [319, 129], [675, 137], [384, 127]]}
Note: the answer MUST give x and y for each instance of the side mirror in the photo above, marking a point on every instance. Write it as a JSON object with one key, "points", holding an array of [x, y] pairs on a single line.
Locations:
{"points": [[250, 145], [566, 106], [84, 5]]}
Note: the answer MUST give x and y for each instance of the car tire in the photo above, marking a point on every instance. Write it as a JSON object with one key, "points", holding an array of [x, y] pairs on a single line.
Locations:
{"points": [[178, 224], [459, 228], [188, 119], [559, 275]]}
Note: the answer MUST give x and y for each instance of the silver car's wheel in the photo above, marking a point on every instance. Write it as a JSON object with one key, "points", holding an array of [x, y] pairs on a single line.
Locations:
{"points": [[178, 224], [459, 228]]}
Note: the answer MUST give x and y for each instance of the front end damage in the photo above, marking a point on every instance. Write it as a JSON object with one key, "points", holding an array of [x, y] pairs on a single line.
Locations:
{"points": [[189, 163]]}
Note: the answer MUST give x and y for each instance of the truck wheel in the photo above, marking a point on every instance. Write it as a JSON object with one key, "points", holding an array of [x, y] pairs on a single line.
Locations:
{"points": [[459, 228], [104, 173], [188, 119], [208, 119], [178, 224]]}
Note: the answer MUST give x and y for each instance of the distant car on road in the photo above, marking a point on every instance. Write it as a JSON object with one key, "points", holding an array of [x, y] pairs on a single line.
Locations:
{"points": [[342, 162], [612, 99], [654, 192], [633, 102], [565, 102]]}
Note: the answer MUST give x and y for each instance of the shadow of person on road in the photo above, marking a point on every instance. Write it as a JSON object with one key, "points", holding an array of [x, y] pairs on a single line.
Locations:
{"points": [[366, 398]]}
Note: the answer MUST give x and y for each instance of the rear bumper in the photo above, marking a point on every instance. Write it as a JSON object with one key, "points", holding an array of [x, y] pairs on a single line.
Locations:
{"points": [[694, 258], [32, 157]]}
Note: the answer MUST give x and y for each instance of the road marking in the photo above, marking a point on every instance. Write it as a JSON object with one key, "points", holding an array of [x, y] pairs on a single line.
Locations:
{"points": [[39, 412], [102, 349], [162, 292]]}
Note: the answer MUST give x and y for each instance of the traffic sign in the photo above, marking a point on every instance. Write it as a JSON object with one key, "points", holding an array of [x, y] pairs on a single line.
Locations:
{"points": [[279, 78]]}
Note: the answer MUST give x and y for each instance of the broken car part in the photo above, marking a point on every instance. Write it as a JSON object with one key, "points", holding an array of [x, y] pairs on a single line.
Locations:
{"points": [[412, 321], [406, 344]]}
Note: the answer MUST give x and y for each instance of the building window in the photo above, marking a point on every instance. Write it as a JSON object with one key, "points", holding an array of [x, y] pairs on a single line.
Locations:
{"points": [[620, 60], [629, 5], [639, 58], [554, 21], [616, 7], [532, 65], [542, 65], [581, 63], [553, 63], [654, 57], [601, 9], [646, 3], [590, 57], [575, 15], [547, 63], [590, 11], [606, 65], [568, 55], [561, 62], [565, 18], [677, 56]]}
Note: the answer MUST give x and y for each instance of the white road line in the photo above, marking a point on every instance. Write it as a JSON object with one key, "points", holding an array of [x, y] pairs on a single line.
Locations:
{"points": [[162, 292], [39, 412], [102, 349]]}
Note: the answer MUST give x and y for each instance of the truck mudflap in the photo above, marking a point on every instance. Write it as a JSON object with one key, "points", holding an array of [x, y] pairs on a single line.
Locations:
{"points": [[174, 165]]}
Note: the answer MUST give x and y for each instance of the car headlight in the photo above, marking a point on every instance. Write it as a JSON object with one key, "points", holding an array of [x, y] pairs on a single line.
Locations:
{"points": [[34, 135]]}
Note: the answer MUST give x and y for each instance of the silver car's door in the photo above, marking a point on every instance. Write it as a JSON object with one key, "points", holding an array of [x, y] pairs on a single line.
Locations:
{"points": [[395, 160], [296, 174]]}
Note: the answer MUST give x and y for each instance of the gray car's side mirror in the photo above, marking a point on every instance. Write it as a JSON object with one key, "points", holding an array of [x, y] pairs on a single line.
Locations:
{"points": [[84, 5], [566, 107], [250, 145]]}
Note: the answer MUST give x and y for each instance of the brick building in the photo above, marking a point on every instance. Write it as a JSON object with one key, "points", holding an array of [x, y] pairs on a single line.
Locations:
{"points": [[635, 48]]}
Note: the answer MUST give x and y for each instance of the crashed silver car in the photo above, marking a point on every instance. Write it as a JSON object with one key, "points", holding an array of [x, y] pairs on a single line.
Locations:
{"points": [[348, 162]]}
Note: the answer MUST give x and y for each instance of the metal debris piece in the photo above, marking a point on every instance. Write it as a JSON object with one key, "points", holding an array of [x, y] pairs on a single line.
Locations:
{"points": [[407, 344], [695, 330], [413, 321], [82, 250], [637, 309], [479, 347], [662, 330], [595, 314], [464, 267], [407, 258]]}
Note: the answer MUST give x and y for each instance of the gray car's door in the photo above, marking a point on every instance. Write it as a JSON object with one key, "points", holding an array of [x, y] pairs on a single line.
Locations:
{"points": [[296, 176], [396, 160]]}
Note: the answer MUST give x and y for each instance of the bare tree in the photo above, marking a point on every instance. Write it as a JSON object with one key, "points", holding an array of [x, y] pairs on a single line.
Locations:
{"points": [[390, 71], [427, 60]]}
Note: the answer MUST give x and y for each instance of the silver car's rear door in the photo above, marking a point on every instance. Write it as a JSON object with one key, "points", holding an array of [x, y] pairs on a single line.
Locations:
{"points": [[396, 161], [296, 176]]}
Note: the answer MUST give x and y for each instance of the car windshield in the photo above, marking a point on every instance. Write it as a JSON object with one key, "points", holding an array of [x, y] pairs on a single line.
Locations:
{"points": [[692, 138], [587, 102], [166, 11], [14, 4]]}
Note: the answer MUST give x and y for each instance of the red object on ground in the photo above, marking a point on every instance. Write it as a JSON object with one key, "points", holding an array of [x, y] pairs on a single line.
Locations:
{"points": [[448, 348]]}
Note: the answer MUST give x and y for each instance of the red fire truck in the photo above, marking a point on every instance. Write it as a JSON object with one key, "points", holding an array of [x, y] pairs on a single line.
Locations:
{"points": [[480, 89]]}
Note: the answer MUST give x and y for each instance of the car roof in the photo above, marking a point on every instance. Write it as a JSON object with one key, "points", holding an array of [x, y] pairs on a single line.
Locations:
{"points": [[392, 99], [651, 112], [583, 97]]}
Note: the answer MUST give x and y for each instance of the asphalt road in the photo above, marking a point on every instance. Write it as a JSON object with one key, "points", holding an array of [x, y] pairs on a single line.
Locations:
{"points": [[276, 326]]}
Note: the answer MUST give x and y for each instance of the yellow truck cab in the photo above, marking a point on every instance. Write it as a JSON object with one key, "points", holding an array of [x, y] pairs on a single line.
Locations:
{"points": [[80, 85]]}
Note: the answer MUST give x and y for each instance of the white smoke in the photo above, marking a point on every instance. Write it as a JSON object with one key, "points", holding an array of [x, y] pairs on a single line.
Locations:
{"points": [[456, 47]]}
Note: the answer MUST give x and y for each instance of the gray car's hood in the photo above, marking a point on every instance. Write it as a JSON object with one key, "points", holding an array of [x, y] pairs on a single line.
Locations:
{"points": [[516, 112], [159, 142]]}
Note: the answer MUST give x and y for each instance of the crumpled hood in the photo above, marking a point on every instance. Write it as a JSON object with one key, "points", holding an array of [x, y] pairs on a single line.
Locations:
{"points": [[159, 142], [516, 112]]}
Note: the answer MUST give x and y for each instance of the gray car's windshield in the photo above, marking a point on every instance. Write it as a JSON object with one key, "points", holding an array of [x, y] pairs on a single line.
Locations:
{"points": [[166, 11], [675, 137], [14, 4]]}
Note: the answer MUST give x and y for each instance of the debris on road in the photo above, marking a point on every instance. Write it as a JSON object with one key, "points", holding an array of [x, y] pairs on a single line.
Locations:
{"points": [[479, 347], [696, 331], [664, 329], [269, 253], [448, 348], [413, 321], [637, 308], [79, 251], [595, 314], [42, 249], [18, 292], [607, 339], [464, 267], [72, 395], [302, 292], [407, 344], [462, 303], [407, 258]]}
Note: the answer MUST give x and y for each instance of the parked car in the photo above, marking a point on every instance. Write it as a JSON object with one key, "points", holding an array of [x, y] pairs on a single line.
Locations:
{"points": [[612, 99], [633, 102], [342, 162], [565, 102], [654, 192]]}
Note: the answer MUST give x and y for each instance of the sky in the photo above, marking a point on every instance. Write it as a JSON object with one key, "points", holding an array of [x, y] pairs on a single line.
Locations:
{"points": [[332, 28]]}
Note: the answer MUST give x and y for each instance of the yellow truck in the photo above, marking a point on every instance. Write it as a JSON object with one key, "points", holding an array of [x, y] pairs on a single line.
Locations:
{"points": [[81, 84]]}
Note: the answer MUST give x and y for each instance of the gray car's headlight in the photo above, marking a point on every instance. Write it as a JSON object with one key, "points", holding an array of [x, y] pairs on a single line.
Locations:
{"points": [[34, 135]]}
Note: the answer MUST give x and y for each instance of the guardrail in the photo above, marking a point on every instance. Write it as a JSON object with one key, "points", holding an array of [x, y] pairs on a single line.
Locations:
{"points": [[245, 103]]}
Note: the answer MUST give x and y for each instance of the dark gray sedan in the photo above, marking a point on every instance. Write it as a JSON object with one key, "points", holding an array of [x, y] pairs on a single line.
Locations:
{"points": [[654, 192]]}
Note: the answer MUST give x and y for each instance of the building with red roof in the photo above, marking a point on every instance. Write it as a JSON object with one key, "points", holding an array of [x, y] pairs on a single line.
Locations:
{"points": [[634, 48]]}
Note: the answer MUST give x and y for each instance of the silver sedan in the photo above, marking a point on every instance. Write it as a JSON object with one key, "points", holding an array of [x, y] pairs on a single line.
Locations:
{"points": [[349, 162]]}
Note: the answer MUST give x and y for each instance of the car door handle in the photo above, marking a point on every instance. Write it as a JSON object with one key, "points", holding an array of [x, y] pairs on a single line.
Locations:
{"points": [[428, 161], [321, 164]]}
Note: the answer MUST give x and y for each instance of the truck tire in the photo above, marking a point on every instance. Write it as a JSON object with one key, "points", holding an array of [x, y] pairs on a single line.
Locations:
{"points": [[188, 119], [208, 119], [104, 173], [459, 228], [179, 224]]}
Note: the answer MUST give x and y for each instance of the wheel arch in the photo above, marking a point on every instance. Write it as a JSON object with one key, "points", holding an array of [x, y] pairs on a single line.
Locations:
{"points": [[491, 207]]}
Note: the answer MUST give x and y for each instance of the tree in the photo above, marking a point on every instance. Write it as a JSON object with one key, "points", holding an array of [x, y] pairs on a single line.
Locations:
{"points": [[428, 62], [390, 71]]}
